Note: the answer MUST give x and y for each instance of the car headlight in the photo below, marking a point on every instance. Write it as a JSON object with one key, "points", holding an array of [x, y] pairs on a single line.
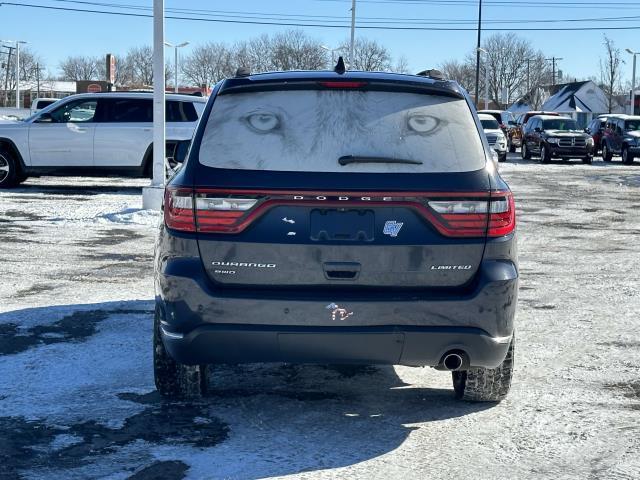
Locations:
{"points": [[553, 140], [589, 141]]}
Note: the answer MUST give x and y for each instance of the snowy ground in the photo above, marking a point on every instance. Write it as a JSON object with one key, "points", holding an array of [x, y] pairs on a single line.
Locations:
{"points": [[76, 391]]}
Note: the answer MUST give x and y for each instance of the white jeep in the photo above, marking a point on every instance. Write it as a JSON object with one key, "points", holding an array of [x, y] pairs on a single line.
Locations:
{"points": [[93, 134]]}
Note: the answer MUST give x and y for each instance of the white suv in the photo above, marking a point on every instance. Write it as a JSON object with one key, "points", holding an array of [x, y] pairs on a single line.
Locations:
{"points": [[93, 134]]}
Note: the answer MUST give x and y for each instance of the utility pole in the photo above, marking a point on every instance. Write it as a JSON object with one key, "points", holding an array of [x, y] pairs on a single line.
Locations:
{"points": [[633, 81], [38, 80], [6, 78], [478, 50], [553, 61], [353, 33]]}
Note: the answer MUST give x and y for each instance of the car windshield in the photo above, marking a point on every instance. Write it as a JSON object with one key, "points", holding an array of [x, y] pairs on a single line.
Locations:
{"points": [[311, 130], [560, 124], [489, 124], [632, 125]]}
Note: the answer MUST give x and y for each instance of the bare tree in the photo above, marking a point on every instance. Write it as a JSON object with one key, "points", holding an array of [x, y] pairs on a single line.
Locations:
{"points": [[402, 65], [461, 72], [369, 56], [610, 71], [294, 50], [30, 62], [80, 68], [207, 64]]}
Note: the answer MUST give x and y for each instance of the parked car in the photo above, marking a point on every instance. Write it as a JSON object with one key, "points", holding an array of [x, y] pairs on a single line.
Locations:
{"points": [[518, 130], [621, 137], [596, 130], [302, 228], [495, 135], [551, 136], [41, 102], [507, 124], [93, 134]]}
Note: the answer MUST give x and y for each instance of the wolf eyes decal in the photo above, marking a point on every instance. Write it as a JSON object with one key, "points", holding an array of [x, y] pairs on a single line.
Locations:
{"points": [[263, 122], [421, 123]]}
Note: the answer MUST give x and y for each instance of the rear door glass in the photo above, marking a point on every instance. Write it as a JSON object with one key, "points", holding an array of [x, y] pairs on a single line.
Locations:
{"points": [[130, 110], [181, 112], [310, 130]]}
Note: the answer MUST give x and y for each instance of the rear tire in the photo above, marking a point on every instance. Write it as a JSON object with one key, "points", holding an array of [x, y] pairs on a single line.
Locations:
{"points": [[173, 379], [606, 153], [627, 157], [485, 384], [9, 175], [502, 157], [524, 151], [588, 159]]}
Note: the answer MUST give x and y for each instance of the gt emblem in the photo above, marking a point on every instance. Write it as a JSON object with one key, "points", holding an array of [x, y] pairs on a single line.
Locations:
{"points": [[391, 227], [338, 313]]}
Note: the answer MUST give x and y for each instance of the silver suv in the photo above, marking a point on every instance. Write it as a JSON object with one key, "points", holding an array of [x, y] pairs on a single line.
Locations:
{"points": [[93, 134]]}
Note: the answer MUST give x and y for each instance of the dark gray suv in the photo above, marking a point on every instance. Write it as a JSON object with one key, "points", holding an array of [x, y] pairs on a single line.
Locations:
{"points": [[325, 217]]}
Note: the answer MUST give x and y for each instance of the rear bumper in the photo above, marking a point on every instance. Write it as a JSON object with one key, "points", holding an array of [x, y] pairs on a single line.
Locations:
{"points": [[369, 345], [204, 324]]}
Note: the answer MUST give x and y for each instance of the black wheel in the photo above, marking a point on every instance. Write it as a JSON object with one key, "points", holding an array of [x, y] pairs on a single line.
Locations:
{"points": [[512, 147], [173, 379], [627, 156], [588, 159], [544, 154], [524, 151], [606, 153], [485, 384], [9, 175], [502, 157]]}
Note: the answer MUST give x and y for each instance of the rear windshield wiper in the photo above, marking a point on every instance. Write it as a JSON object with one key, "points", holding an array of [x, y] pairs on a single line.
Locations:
{"points": [[347, 159]]}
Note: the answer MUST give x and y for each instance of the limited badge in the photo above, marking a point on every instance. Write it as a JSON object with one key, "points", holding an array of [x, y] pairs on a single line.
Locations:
{"points": [[391, 227]]}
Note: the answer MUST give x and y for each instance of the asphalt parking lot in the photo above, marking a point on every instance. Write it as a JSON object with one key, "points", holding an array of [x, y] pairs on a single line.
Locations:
{"points": [[77, 399]]}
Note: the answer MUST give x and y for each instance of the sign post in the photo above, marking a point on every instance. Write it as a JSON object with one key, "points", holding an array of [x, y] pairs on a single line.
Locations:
{"points": [[152, 195]]}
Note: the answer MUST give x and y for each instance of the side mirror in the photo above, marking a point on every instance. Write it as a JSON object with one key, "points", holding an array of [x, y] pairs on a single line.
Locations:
{"points": [[45, 118]]}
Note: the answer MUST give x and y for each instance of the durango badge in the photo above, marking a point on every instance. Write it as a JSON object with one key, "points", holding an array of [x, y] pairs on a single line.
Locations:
{"points": [[391, 227]]}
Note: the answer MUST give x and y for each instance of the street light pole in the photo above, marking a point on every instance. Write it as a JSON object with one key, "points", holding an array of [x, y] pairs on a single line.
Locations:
{"points": [[633, 81], [17, 47], [175, 61]]}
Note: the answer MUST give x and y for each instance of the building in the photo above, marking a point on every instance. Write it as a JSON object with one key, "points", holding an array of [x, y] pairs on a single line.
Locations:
{"points": [[580, 100]]}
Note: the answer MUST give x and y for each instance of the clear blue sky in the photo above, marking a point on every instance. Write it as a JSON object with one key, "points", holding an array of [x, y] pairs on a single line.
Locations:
{"points": [[55, 34]]}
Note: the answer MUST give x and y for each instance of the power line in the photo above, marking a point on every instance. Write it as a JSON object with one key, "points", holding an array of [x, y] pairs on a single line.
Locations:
{"points": [[361, 20], [316, 25]]}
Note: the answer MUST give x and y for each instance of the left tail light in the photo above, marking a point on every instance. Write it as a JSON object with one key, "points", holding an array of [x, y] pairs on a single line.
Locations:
{"points": [[178, 209], [189, 211]]}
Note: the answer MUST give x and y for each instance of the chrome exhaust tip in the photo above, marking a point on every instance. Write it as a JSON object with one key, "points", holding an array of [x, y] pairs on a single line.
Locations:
{"points": [[452, 362]]}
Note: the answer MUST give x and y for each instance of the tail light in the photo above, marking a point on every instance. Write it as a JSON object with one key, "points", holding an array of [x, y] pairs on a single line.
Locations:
{"points": [[472, 218], [453, 215], [178, 209]]}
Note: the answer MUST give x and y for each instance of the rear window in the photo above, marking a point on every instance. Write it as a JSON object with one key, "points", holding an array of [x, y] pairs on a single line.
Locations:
{"points": [[489, 124], [310, 130], [130, 110]]}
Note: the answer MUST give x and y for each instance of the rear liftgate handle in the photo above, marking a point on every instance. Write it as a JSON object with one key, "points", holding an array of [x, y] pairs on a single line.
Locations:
{"points": [[341, 270]]}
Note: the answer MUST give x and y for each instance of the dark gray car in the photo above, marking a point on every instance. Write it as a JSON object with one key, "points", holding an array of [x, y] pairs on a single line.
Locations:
{"points": [[326, 217]]}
